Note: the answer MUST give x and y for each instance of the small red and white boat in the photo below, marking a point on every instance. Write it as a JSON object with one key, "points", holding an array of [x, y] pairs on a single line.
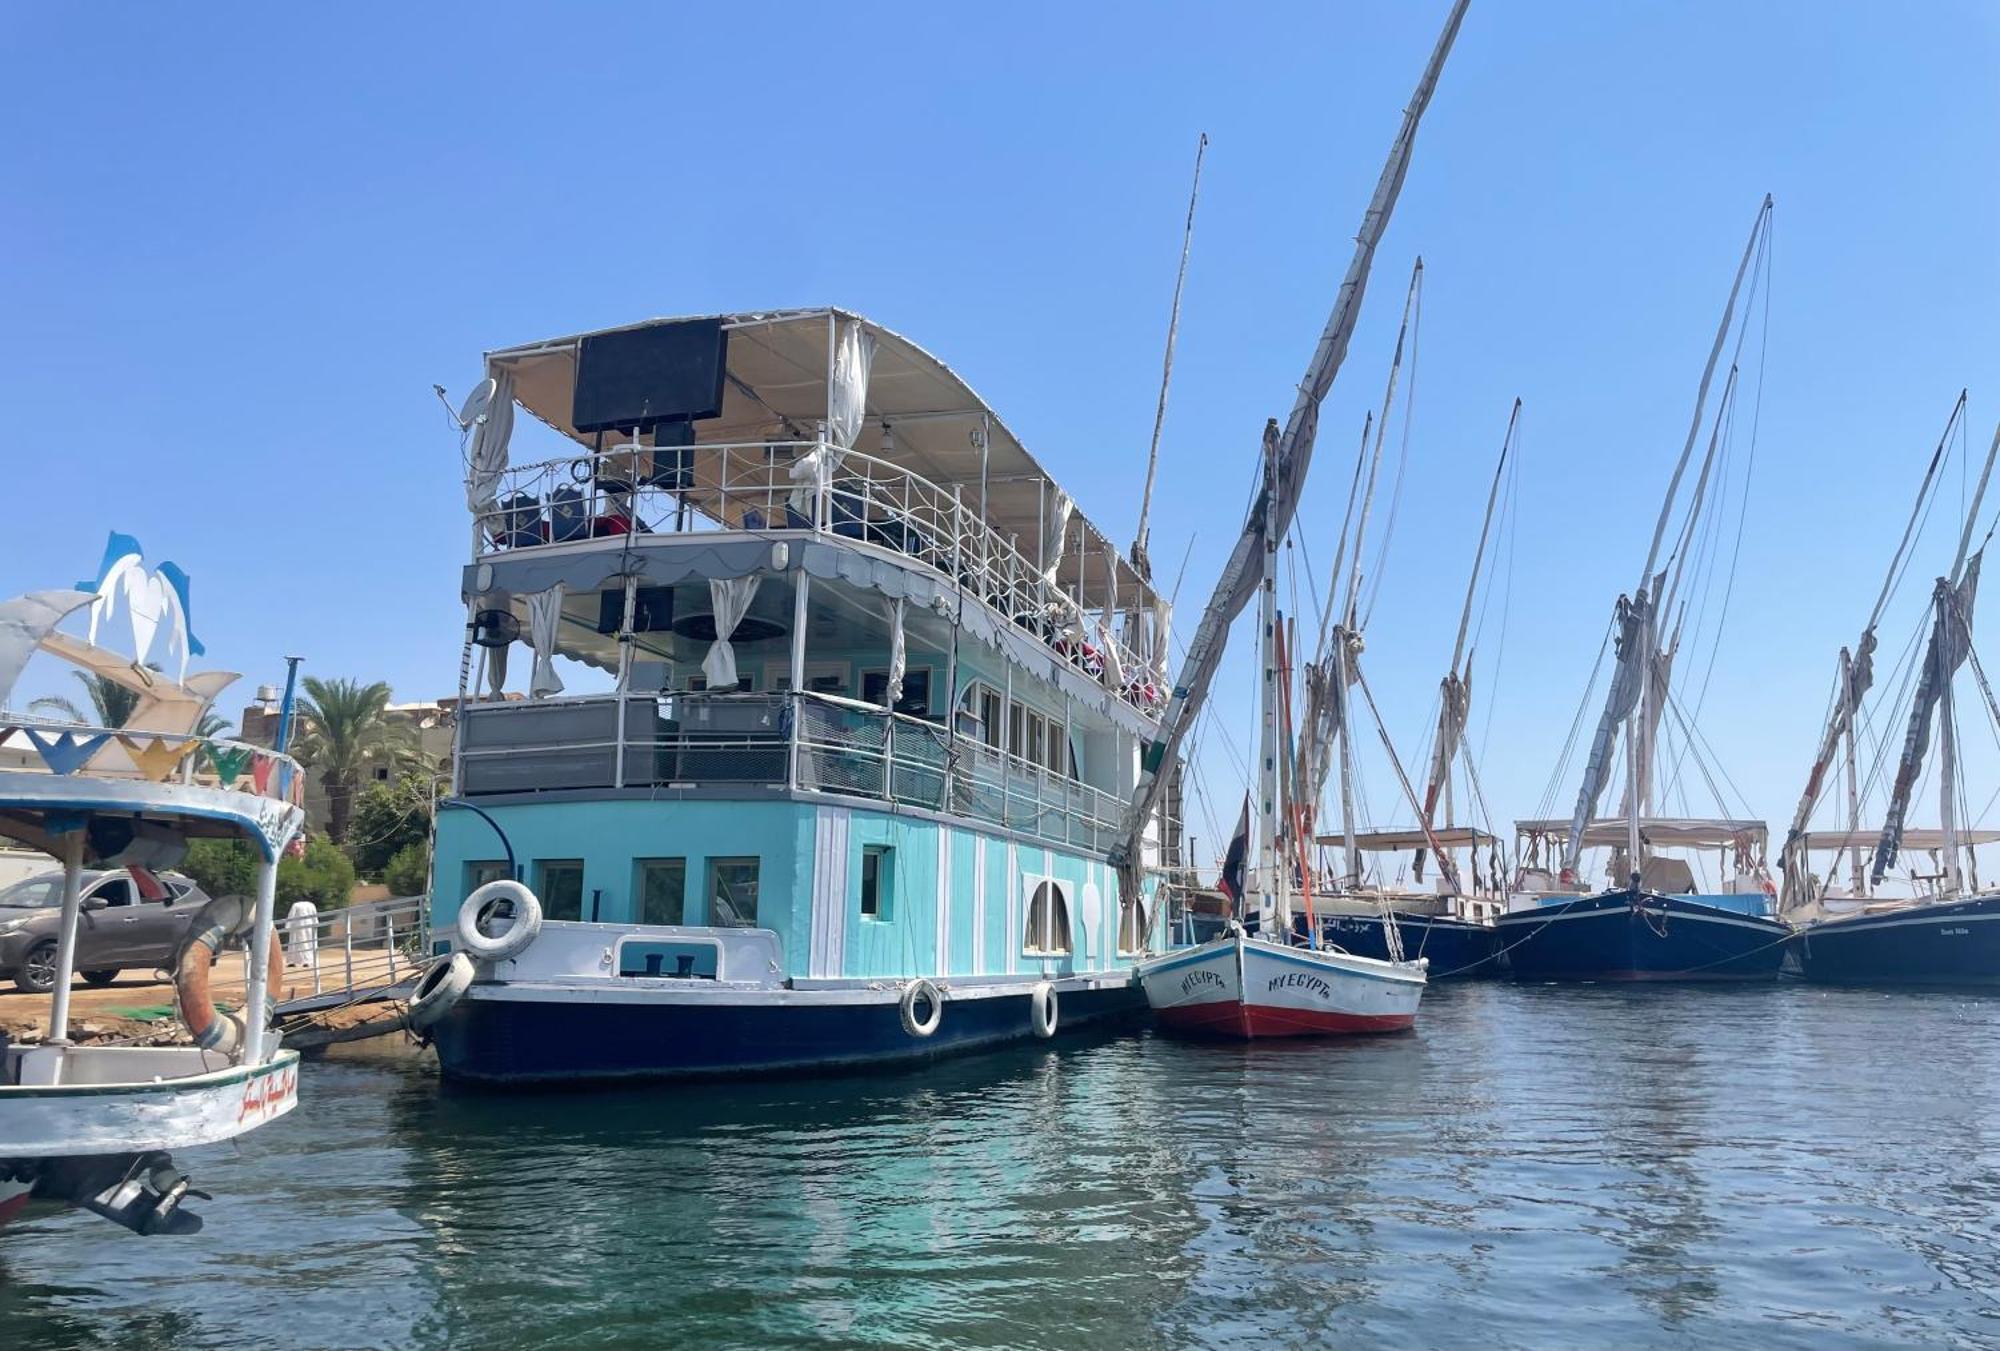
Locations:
{"points": [[1243, 986]]}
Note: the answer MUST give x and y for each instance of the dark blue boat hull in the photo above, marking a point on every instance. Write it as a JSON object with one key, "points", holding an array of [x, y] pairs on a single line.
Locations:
{"points": [[528, 1043], [1457, 949], [1951, 943], [1610, 938]]}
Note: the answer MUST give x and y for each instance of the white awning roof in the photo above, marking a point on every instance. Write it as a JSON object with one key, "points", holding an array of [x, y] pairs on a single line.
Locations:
{"points": [[777, 391], [1610, 831], [1382, 841], [1914, 837]]}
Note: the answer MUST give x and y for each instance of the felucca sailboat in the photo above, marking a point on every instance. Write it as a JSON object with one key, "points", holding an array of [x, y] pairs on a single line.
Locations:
{"points": [[1260, 985], [1655, 921], [1942, 930]]}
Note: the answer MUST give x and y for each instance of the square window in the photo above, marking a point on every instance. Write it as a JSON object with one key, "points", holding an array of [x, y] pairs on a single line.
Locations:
{"points": [[661, 889], [732, 893], [559, 887], [481, 871], [878, 880], [916, 700]]}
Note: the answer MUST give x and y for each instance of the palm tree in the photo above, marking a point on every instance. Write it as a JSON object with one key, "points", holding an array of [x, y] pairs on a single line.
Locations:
{"points": [[111, 703], [345, 728], [211, 724]]}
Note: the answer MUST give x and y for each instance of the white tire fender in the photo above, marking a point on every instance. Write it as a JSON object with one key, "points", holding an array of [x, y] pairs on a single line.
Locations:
{"points": [[1043, 1010], [476, 915], [438, 989], [922, 991]]}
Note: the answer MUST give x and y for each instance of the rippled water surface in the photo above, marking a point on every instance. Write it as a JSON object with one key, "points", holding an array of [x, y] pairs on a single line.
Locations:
{"points": [[1536, 1166]]}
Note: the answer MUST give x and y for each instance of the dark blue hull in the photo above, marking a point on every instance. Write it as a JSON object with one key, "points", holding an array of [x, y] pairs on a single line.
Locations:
{"points": [[1951, 943], [522, 1043], [1610, 938], [1457, 949]]}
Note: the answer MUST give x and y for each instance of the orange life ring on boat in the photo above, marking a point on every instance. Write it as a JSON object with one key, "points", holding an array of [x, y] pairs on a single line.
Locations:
{"points": [[212, 1029]]}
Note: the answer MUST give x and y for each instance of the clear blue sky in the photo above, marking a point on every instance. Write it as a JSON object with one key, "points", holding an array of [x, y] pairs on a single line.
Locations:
{"points": [[243, 241]]}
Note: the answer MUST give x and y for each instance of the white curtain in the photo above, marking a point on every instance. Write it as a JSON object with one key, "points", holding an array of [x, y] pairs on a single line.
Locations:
{"points": [[846, 408], [898, 653], [486, 458], [1054, 530], [730, 598], [544, 618]]}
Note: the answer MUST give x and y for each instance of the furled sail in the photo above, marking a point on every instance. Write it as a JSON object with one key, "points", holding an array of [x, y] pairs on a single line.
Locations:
{"points": [[1293, 452], [1634, 620], [1951, 639]]}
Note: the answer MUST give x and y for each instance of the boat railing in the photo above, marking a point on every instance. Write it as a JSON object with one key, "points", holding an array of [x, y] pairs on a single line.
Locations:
{"points": [[68, 747], [804, 742], [357, 948], [750, 486]]}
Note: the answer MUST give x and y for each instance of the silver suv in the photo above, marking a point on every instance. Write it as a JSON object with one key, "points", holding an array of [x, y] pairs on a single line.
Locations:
{"points": [[128, 920]]}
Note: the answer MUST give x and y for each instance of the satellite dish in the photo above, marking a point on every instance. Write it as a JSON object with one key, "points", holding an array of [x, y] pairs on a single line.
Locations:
{"points": [[477, 402]]}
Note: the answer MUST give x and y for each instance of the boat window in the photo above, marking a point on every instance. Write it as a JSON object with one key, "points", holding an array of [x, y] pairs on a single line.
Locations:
{"points": [[661, 887], [878, 881], [1037, 734], [732, 893], [989, 714], [916, 700], [481, 871], [1132, 926], [117, 891], [744, 683], [559, 887], [1048, 922], [1058, 756], [1016, 737]]}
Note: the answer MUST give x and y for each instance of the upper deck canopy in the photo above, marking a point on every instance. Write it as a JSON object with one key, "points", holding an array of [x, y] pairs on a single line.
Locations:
{"points": [[918, 414]]}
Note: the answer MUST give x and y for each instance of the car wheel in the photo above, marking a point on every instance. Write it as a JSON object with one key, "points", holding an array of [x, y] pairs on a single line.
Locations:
{"points": [[104, 977], [38, 968]]}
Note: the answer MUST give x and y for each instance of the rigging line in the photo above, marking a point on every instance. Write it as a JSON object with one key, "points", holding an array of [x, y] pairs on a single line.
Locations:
{"points": [[1512, 516], [1326, 620], [1141, 539], [1402, 460], [1348, 605], [1693, 734], [1548, 799], [1446, 864]]}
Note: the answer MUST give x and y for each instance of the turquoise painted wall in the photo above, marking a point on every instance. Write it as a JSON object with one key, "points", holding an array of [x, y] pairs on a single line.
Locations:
{"points": [[611, 835]]}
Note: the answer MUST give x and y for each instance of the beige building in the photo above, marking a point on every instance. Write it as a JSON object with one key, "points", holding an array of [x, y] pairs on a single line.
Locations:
{"points": [[428, 725]]}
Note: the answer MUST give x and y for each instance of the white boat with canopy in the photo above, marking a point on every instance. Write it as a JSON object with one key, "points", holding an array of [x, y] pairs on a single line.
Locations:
{"points": [[92, 1123]]}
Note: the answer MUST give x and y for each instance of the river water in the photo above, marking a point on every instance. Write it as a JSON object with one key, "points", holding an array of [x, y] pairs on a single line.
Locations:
{"points": [[1534, 1167]]}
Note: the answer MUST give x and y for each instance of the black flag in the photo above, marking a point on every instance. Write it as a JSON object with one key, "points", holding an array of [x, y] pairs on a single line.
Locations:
{"points": [[1232, 861]]}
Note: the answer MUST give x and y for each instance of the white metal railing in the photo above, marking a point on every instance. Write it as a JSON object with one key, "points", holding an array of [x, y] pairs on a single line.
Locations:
{"points": [[808, 742], [749, 486], [359, 947]]}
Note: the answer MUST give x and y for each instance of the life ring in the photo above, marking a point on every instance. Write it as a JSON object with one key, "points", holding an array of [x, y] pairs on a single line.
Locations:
{"points": [[1043, 1010], [523, 923], [438, 989], [212, 1029], [922, 990]]}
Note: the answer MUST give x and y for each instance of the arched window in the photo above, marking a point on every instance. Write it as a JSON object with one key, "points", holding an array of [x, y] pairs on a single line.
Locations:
{"points": [[1132, 926], [1048, 922]]}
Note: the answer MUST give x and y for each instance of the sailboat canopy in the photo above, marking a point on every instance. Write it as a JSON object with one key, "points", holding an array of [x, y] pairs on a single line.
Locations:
{"points": [[1686, 831], [1387, 841]]}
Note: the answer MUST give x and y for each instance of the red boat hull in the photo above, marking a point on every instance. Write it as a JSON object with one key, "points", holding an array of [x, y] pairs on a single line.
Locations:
{"points": [[1246, 1022]]}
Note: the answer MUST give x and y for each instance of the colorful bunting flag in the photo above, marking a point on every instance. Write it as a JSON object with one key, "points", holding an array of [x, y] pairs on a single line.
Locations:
{"points": [[66, 752], [228, 763]]}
